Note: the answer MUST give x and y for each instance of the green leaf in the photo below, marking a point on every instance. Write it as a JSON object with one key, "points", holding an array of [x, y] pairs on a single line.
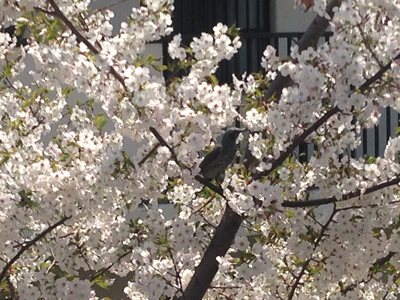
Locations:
{"points": [[100, 121], [53, 30], [101, 282], [66, 91], [233, 31], [370, 159], [26, 199], [316, 269], [7, 70], [213, 79], [4, 156], [20, 26], [160, 68], [397, 282]]}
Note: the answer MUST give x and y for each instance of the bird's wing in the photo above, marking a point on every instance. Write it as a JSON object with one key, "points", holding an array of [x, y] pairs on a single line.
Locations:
{"points": [[210, 157]]}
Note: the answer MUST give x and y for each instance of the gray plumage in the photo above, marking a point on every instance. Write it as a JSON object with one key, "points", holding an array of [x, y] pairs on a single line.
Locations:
{"points": [[223, 155]]}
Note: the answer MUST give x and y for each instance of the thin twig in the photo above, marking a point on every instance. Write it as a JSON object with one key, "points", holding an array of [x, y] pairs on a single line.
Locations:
{"points": [[380, 262], [225, 287], [308, 261], [378, 75], [297, 141], [161, 140], [107, 7], [105, 269], [368, 46], [370, 205], [203, 206], [148, 155], [13, 294], [178, 278], [80, 38], [345, 197], [29, 244], [48, 12]]}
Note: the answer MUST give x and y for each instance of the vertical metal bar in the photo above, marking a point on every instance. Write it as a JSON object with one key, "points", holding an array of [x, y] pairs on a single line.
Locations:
{"points": [[276, 44], [398, 120], [377, 140], [364, 143], [247, 15], [236, 57], [388, 124]]}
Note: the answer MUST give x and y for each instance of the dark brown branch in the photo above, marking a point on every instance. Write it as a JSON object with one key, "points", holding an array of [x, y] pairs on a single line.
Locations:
{"points": [[370, 205], [309, 38], [105, 269], [48, 12], [80, 38], [220, 243], [29, 244], [210, 185], [368, 46], [308, 261], [348, 196], [178, 279], [296, 142], [377, 75], [161, 140], [147, 156]]}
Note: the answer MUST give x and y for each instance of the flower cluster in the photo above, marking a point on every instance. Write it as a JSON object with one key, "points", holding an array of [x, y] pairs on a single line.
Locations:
{"points": [[99, 155]]}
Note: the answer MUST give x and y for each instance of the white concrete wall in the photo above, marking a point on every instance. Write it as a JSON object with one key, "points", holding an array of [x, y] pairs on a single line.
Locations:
{"points": [[122, 10], [287, 17]]}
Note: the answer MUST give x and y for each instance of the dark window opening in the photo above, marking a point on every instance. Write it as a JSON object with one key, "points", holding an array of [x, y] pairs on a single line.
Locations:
{"points": [[191, 17]]}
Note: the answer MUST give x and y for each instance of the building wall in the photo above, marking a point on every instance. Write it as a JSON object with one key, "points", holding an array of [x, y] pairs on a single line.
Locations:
{"points": [[286, 17], [122, 10]]}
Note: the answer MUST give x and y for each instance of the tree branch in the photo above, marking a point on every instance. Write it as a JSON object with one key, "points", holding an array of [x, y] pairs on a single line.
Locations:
{"points": [[220, 243], [105, 269], [296, 142], [377, 75], [161, 140], [210, 185], [308, 261], [348, 196], [309, 38], [80, 38], [380, 262], [147, 156], [29, 244]]}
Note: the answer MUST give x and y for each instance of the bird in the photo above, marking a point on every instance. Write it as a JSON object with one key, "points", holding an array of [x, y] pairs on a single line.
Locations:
{"points": [[222, 156]]}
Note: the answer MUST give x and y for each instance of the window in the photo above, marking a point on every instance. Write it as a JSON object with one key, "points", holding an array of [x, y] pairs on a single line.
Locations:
{"points": [[191, 17]]}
